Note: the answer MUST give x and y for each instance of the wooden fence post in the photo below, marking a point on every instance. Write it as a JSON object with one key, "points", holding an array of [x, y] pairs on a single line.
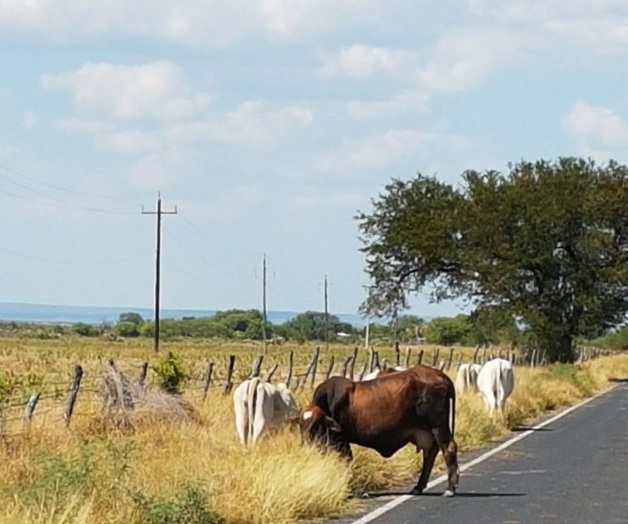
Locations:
{"points": [[30, 408], [314, 365], [406, 361], [363, 372], [228, 384], [419, 358], [353, 361], [269, 375], [435, 357], [384, 363], [257, 366], [290, 368], [345, 365], [74, 389], [442, 365], [330, 368], [475, 355], [376, 360], [451, 356], [397, 354], [143, 374], [460, 360], [207, 379], [371, 360]]}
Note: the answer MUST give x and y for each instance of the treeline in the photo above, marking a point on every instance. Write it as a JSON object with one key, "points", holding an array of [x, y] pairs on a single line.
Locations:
{"points": [[237, 324]]}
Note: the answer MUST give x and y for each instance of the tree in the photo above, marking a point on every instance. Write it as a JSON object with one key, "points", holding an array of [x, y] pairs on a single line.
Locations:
{"points": [[546, 243], [447, 330], [311, 326], [410, 327], [132, 317]]}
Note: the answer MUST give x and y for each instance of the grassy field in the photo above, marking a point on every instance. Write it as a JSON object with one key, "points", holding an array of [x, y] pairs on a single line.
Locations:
{"points": [[195, 470]]}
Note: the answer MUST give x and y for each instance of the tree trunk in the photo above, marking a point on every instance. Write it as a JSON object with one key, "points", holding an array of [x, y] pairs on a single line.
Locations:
{"points": [[558, 348]]}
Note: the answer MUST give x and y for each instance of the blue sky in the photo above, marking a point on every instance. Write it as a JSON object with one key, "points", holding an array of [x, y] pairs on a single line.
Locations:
{"points": [[269, 124]]}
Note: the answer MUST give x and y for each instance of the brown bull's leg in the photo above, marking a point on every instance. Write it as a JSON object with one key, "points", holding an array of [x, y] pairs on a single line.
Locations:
{"points": [[429, 456], [448, 446]]}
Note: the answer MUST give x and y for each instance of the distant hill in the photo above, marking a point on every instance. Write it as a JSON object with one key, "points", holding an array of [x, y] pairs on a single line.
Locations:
{"points": [[46, 313]]}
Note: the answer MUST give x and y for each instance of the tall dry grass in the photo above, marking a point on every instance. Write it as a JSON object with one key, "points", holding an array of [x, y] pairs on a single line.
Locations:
{"points": [[196, 471]]}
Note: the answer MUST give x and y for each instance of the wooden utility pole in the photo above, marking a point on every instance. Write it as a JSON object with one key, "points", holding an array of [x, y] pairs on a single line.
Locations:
{"points": [[326, 320], [366, 338], [159, 212], [264, 302]]}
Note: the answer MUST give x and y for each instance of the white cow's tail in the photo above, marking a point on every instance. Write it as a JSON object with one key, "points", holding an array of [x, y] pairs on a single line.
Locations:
{"points": [[452, 413], [499, 387], [251, 401]]}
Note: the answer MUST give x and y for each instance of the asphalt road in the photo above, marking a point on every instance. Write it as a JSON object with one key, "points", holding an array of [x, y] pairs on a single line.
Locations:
{"points": [[574, 470]]}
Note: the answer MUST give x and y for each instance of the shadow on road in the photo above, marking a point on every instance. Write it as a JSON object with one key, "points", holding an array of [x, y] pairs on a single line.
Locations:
{"points": [[529, 428], [619, 380], [377, 494]]}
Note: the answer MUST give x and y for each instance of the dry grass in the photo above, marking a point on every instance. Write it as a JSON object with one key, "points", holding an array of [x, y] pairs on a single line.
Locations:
{"points": [[187, 468]]}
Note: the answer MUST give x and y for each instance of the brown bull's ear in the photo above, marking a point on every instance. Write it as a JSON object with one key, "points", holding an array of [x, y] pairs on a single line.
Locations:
{"points": [[332, 425]]}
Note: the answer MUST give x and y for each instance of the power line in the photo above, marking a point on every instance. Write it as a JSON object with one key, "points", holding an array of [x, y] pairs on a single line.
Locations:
{"points": [[203, 237], [200, 257], [61, 188], [68, 262]]}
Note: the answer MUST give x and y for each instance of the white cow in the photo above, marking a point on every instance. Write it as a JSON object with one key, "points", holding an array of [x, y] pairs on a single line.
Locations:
{"points": [[496, 381], [375, 373], [467, 377], [261, 405]]}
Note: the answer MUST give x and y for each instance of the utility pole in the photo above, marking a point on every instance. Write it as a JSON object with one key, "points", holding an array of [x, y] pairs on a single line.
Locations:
{"points": [[368, 329], [264, 302], [326, 319], [159, 212]]}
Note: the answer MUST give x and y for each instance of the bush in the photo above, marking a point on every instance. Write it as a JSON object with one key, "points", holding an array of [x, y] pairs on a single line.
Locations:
{"points": [[172, 373], [186, 507]]}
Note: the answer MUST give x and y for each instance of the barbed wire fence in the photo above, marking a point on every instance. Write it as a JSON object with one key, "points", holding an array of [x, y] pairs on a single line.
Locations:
{"points": [[54, 402]]}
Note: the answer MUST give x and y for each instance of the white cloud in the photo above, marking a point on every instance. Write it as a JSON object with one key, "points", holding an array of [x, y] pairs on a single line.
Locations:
{"points": [[153, 90], [85, 126], [252, 123], [596, 127], [380, 150], [129, 141], [283, 16], [462, 59], [150, 172], [363, 61], [406, 101], [29, 121], [602, 24], [199, 23]]}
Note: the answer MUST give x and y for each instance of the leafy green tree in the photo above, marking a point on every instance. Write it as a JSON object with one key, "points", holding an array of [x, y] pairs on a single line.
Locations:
{"points": [[311, 326], [134, 318], [127, 329], [410, 327], [447, 330], [546, 243], [85, 330]]}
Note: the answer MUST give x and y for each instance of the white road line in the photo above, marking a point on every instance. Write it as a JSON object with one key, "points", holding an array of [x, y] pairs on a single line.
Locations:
{"points": [[369, 517]]}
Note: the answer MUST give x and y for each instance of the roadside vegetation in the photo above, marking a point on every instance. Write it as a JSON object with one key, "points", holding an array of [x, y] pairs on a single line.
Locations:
{"points": [[195, 471]]}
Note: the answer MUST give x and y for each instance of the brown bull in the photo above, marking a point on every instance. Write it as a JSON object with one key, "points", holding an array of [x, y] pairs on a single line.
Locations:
{"points": [[403, 407]]}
